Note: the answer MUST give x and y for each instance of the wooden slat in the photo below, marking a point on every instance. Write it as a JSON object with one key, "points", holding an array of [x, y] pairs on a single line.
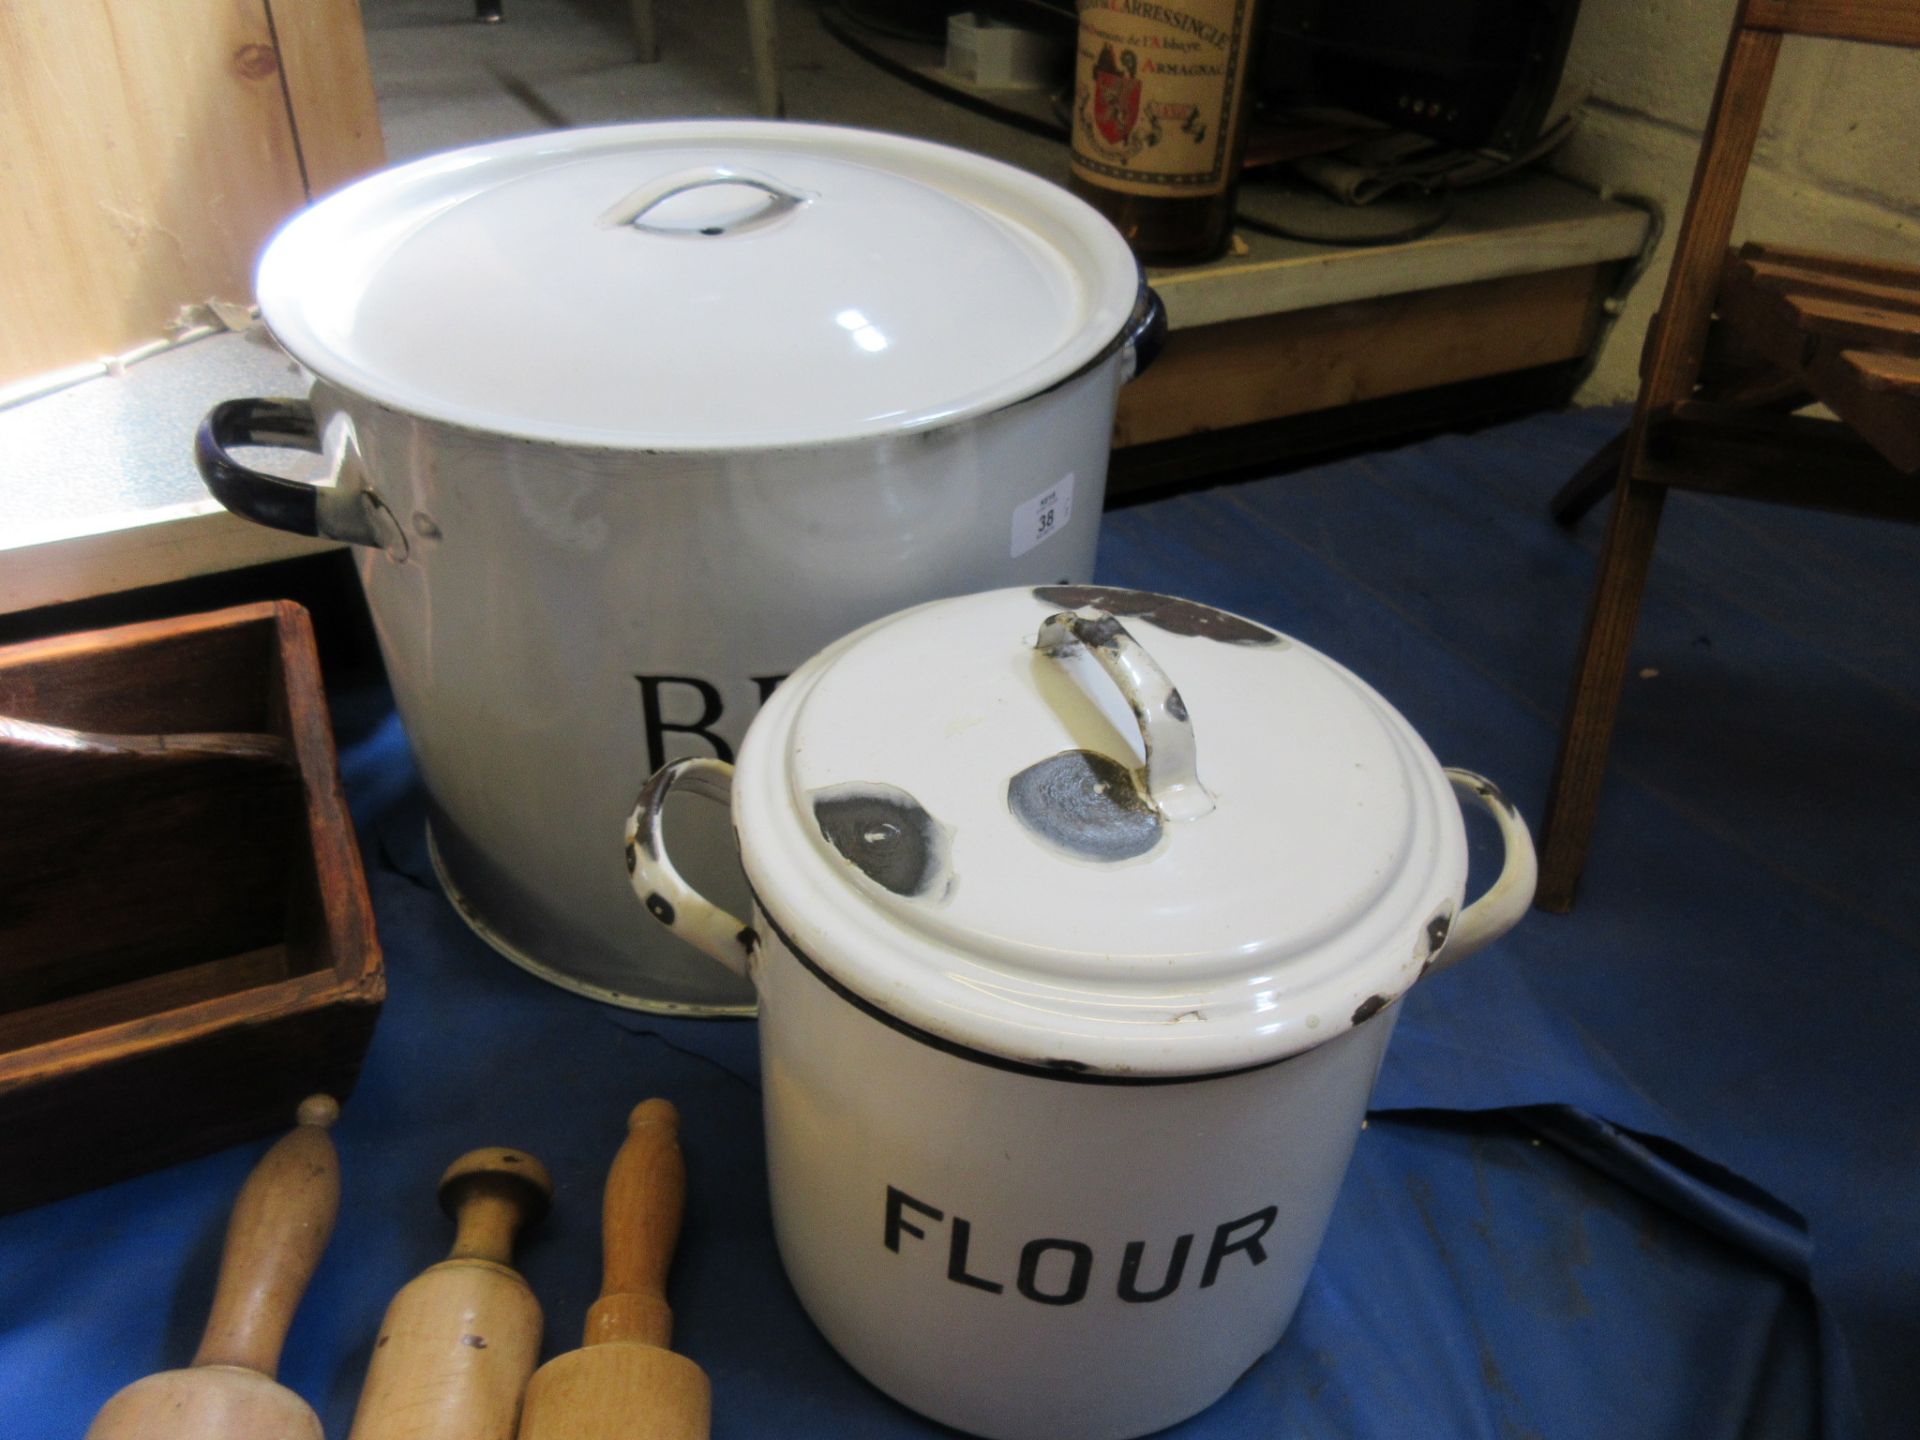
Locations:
{"points": [[323, 59], [147, 152], [1854, 267], [1886, 374], [1870, 329], [1780, 459], [1243, 372], [1877, 22], [143, 998], [1792, 279], [1841, 353], [1878, 395]]}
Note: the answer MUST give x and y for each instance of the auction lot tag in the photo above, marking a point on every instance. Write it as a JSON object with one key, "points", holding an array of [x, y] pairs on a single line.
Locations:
{"points": [[1042, 516]]}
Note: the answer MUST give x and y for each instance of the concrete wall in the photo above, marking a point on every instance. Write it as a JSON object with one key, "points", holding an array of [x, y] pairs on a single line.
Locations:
{"points": [[1838, 164]]}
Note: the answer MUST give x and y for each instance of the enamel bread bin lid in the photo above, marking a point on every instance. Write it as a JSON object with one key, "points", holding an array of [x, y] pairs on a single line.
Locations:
{"points": [[698, 286], [1100, 830]]}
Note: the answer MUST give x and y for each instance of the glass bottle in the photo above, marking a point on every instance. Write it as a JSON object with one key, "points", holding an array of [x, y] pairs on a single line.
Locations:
{"points": [[1161, 93]]}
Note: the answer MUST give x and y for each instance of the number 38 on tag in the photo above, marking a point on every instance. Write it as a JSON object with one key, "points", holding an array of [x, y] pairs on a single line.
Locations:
{"points": [[1042, 516]]}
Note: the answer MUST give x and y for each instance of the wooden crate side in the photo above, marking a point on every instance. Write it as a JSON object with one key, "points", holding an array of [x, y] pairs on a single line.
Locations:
{"points": [[72, 1128]]}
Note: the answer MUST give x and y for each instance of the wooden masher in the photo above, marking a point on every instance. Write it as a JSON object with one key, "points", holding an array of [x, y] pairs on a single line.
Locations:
{"points": [[460, 1339], [280, 1226], [625, 1384]]}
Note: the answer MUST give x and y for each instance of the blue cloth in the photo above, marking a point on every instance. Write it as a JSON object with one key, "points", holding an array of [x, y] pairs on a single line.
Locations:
{"points": [[1645, 1170]]}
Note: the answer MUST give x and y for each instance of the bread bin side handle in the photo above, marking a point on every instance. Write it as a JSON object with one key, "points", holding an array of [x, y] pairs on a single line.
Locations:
{"points": [[1146, 332], [668, 897], [351, 513], [1507, 899]]}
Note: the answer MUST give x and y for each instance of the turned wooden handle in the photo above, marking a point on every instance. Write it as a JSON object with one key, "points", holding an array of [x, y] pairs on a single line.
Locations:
{"points": [[279, 1228], [460, 1339], [492, 1196], [646, 1196]]}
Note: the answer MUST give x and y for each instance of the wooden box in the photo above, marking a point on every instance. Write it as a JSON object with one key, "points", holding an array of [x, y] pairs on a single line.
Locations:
{"points": [[186, 943]]}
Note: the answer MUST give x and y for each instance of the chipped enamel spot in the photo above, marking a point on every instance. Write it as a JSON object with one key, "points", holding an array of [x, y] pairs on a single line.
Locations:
{"points": [[1369, 1007], [1177, 617], [1086, 804], [888, 836]]}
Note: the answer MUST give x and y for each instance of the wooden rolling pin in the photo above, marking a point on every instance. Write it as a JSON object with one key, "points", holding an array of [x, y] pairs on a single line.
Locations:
{"points": [[279, 1228], [626, 1384], [460, 1339]]}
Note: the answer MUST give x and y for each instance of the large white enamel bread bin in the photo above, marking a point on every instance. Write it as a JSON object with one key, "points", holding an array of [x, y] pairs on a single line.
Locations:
{"points": [[626, 423], [1079, 918]]}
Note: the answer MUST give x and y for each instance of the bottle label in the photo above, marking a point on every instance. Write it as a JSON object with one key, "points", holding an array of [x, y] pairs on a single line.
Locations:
{"points": [[1155, 93]]}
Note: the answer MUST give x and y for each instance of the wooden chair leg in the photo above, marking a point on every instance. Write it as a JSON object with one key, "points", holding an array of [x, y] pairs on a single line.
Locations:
{"points": [[1587, 727], [1675, 351], [1589, 483]]}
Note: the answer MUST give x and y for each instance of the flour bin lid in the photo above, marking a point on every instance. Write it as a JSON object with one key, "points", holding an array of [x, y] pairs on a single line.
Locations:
{"points": [[709, 285], [1101, 830]]}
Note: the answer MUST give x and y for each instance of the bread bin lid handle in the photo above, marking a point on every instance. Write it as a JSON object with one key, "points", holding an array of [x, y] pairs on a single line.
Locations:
{"points": [[632, 208]]}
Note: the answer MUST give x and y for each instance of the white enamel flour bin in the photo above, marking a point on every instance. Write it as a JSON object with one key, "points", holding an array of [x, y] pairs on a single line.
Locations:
{"points": [[628, 422], [1079, 919]]}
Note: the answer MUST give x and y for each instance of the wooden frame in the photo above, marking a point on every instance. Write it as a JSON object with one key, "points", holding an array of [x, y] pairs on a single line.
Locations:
{"points": [[1676, 440], [1875, 22]]}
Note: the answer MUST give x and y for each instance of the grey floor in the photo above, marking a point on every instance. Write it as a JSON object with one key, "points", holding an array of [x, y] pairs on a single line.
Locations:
{"points": [[444, 81]]}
